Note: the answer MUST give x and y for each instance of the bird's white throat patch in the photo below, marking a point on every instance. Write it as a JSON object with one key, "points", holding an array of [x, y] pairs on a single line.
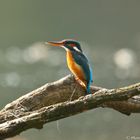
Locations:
{"points": [[76, 49]]}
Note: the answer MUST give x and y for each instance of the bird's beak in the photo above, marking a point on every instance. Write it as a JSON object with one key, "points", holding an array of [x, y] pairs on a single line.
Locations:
{"points": [[55, 43]]}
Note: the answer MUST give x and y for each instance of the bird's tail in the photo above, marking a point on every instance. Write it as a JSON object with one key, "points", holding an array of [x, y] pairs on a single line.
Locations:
{"points": [[85, 85], [88, 91], [88, 87]]}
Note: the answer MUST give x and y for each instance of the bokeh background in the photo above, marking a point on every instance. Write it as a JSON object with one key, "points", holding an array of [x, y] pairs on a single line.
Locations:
{"points": [[109, 32]]}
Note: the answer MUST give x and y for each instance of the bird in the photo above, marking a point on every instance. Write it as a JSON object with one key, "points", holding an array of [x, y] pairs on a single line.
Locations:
{"points": [[77, 62]]}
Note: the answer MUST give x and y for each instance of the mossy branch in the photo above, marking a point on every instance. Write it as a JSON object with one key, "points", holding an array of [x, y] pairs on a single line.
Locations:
{"points": [[62, 99]]}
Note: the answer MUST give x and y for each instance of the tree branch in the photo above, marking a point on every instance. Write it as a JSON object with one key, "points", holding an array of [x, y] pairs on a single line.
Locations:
{"points": [[54, 101]]}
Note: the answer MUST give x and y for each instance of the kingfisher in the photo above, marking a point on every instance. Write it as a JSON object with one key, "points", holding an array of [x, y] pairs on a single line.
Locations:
{"points": [[77, 62]]}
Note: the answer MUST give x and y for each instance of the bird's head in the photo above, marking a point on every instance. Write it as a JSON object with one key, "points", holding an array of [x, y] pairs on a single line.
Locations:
{"points": [[67, 44]]}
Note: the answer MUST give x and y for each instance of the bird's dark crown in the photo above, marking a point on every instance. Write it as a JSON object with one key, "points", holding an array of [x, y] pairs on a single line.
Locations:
{"points": [[72, 45]]}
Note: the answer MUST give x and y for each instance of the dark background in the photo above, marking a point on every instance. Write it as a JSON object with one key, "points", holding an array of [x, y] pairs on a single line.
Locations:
{"points": [[109, 32]]}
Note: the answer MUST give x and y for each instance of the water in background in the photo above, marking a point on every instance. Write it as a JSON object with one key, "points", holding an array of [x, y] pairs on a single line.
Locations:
{"points": [[109, 33]]}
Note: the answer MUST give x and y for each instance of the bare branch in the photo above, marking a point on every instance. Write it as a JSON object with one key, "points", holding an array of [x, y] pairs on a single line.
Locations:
{"points": [[52, 102]]}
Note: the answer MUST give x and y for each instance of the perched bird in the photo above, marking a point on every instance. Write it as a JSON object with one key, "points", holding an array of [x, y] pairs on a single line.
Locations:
{"points": [[77, 62]]}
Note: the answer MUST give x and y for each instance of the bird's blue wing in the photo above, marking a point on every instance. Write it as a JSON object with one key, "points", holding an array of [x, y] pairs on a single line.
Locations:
{"points": [[82, 60]]}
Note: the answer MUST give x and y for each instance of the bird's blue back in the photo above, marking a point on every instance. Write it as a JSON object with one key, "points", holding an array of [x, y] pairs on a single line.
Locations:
{"points": [[82, 61]]}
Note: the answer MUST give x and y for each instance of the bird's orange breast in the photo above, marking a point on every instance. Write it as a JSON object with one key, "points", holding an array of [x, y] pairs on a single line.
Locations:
{"points": [[74, 67]]}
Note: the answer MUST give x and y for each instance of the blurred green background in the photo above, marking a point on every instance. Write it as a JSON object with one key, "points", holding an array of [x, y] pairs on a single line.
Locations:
{"points": [[109, 32]]}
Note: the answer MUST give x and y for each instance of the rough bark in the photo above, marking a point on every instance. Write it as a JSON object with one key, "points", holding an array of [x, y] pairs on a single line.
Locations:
{"points": [[62, 99]]}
